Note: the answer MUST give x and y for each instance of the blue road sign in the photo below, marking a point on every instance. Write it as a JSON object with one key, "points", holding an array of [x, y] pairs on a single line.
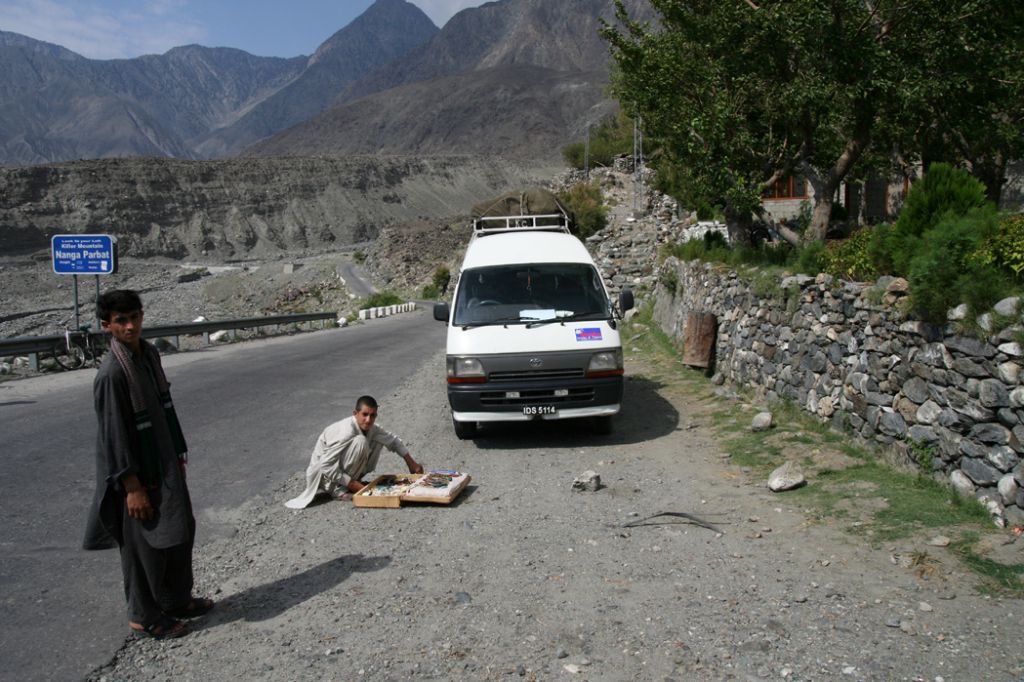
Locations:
{"points": [[84, 254]]}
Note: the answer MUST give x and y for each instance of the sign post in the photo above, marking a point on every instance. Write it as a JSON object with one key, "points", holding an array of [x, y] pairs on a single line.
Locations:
{"points": [[84, 254]]}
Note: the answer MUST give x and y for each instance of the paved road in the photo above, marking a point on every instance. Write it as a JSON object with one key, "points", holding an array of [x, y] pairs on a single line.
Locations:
{"points": [[354, 279], [251, 413]]}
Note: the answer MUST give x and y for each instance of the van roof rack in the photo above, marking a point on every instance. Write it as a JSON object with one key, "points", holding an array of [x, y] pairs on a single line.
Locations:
{"points": [[550, 222]]}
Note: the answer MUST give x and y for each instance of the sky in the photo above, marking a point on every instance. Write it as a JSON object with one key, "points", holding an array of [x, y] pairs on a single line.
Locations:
{"points": [[113, 29]]}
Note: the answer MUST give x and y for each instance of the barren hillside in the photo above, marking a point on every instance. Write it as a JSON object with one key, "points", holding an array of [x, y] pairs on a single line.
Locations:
{"points": [[240, 209]]}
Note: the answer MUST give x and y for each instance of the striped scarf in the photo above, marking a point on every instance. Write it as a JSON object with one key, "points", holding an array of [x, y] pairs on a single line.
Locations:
{"points": [[152, 470]]}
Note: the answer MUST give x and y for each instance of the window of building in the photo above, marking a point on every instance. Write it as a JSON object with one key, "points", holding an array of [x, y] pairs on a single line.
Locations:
{"points": [[790, 187]]}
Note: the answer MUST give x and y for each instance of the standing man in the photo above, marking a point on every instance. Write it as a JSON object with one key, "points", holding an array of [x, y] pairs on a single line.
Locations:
{"points": [[142, 502], [345, 451]]}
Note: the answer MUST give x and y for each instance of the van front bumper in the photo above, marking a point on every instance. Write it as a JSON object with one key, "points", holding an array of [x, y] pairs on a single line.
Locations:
{"points": [[506, 402]]}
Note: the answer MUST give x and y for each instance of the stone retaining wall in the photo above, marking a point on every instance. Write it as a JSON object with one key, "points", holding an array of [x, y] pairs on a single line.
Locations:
{"points": [[949, 402]]}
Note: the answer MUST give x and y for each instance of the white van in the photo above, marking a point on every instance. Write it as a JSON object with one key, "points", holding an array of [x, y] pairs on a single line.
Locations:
{"points": [[532, 333]]}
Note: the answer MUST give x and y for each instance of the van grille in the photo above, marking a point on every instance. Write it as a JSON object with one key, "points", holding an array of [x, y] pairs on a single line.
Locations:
{"points": [[546, 396], [537, 375]]}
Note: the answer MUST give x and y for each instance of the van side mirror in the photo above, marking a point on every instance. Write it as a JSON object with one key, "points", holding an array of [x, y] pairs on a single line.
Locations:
{"points": [[441, 312], [625, 300]]}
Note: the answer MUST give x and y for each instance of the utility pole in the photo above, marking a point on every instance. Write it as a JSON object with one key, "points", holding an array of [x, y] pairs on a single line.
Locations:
{"points": [[638, 161], [586, 155]]}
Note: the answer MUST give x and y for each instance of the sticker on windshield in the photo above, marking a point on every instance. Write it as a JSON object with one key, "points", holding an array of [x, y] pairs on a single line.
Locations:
{"points": [[588, 334]]}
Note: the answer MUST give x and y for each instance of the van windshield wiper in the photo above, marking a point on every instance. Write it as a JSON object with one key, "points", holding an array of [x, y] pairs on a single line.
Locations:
{"points": [[564, 316], [497, 321]]}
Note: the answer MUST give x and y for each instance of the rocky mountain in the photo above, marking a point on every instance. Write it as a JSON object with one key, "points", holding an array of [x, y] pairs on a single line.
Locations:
{"points": [[55, 104], [243, 208], [387, 30], [191, 102], [513, 78], [482, 106]]}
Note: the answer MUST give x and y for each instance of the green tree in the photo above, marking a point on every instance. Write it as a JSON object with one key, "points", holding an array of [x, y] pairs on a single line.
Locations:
{"points": [[611, 138], [740, 94]]}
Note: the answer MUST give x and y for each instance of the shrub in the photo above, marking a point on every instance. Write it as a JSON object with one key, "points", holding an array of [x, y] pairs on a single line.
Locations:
{"points": [[1005, 249], [611, 138], [712, 247], [442, 276], [943, 272], [943, 191], [430, 292], [584, 200], [880, 249], [850, 258], [811, 258], [381, 298], [669, 278]]}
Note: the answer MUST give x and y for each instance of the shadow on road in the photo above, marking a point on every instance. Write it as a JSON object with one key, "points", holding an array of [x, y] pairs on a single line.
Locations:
{"points": [[645, 415], [263, 602]]}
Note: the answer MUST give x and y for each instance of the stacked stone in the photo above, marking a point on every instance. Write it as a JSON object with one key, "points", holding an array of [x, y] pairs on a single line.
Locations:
{"points": [[626, 251], [845, 353]]}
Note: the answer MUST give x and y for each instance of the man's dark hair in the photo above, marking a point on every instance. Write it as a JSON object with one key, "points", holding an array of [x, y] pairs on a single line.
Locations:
{"points": [[367, 401], [117, 301]]}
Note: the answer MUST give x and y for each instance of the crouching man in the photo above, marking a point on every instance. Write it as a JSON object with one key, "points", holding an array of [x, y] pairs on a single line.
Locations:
{"points": [[345, 451]]}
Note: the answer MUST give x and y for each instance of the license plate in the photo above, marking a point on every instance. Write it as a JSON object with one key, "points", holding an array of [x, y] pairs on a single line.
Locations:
{"points": [[539, 409]]}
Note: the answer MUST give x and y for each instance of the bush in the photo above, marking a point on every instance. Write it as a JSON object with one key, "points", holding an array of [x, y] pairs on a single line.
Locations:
{"points": [[712, 247], [381, 298], [851, 258], [944, 272], [880, 249], [811, 259], [1005, 249], [613, 137], [584, 200], [430, 292], [442, 276], [943, 191]]}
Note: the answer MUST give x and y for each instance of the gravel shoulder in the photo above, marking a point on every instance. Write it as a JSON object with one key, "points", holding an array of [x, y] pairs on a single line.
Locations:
{"points": [[523, 578]]}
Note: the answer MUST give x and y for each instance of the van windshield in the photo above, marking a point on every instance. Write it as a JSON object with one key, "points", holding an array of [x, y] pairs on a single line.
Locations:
{"points": [[530, 292]]}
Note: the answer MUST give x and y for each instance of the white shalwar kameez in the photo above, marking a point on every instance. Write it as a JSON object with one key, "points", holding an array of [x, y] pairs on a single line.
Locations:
{"points": [[342, 453]]}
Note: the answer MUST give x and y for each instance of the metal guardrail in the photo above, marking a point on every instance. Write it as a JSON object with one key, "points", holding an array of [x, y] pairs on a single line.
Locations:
{"points": [[34, 345]]}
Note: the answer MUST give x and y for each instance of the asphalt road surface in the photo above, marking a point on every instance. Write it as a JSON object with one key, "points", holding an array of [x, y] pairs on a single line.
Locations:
{"points": [[353, 278], [251, 413]]}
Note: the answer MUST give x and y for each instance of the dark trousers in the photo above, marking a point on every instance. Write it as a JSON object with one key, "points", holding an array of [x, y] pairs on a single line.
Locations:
{"points": [[155, 580]]}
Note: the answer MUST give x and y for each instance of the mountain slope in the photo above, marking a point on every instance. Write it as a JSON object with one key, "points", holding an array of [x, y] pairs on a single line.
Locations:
{"points": [[516, 78], [516, 112], [241, 208], [192, 101], [55, 104], [387, 30], [555, 34]]}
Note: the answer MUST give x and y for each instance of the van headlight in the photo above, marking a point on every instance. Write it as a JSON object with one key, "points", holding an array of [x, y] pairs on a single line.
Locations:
{"points": [[465, 371], [605, 363]]}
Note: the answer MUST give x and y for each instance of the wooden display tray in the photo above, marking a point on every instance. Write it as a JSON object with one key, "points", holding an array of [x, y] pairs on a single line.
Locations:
{"points": [[363, 499]]}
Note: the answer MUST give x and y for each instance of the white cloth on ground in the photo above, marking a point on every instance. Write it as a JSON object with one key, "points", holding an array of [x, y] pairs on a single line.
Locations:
{"points": [[343, 452]]}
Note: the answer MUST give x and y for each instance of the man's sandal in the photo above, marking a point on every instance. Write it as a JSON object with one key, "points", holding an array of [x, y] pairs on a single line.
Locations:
{"points": [[195, 607], [165, 628]]}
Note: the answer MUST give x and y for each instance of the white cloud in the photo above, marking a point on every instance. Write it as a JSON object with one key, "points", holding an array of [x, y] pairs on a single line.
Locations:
{"points": [[440, 11], [100, 32]]}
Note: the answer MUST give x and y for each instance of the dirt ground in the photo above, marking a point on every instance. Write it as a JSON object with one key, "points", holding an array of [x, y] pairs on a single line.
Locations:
{"points": [[524, 578]]}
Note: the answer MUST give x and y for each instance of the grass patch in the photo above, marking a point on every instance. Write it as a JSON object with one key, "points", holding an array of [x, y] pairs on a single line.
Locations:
{"points": [[751, 450], [997, 578], [912, 503]]}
